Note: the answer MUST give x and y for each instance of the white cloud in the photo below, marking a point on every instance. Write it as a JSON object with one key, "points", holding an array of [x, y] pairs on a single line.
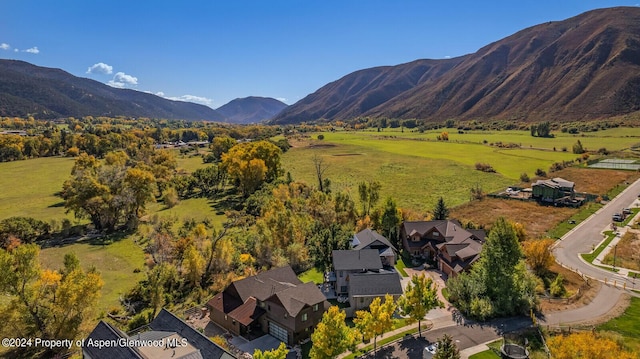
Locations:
{"points": [[33, 50], [121, 80], [190, 98], [100, 68], [447, 57], [4, 46], [15, 50], [281, 99]]}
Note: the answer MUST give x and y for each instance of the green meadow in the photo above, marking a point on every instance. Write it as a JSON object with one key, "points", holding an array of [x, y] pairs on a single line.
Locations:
{"points": [[116, 261], [415, 169], [28, 188], [613, 139], [510, 163]]}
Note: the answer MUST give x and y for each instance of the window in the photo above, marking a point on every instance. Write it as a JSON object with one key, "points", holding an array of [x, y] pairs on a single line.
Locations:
{"points": [[261, 304], [435, 234], [226, 317], [304, 317], [269, 307], [315, 307], [286, 315], [340, 274]]}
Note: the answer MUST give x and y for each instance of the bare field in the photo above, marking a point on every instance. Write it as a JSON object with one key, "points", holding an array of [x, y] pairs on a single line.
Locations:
{"points": [[595, 181], [537, 219]]}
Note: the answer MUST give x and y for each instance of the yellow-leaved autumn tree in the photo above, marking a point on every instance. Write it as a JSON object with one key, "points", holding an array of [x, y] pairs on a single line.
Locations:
{"points": [[45, 303], [586, 345], [332, 335], [538, 254]]}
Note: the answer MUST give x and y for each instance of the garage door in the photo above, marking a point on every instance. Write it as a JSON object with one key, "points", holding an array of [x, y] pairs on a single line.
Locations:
{"points": [[278, 332]]}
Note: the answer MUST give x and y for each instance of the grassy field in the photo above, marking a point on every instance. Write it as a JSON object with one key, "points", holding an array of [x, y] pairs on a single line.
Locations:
{"points": [[614, 139], [116, 262], [29, 188], [414, 182], [510, 163]]}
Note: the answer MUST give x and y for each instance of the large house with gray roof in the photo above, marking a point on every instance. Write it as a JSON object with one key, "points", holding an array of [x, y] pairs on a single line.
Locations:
{"points": [[361, 276], [167, 336], [274, 302], [452, 247]]}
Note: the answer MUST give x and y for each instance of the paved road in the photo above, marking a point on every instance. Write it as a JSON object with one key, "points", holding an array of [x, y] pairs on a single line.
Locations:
{"points": [[587, 235], [465, 336]]}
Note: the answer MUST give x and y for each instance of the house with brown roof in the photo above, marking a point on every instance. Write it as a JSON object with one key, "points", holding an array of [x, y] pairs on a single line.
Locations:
{"points": [[274, 302], [444, 242]]}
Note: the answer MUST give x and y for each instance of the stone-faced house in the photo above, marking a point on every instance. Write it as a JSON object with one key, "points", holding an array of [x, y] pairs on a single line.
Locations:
{"points": [[444, 242], [180, 341], [368, 239], [361, 277], [274, 302]]}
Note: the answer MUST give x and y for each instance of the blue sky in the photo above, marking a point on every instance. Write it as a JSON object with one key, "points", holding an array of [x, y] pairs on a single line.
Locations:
{"points": [[214, 51]]}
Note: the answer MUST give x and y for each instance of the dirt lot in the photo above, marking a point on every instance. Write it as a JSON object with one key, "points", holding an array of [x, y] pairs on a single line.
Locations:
{"points": [[536, 219]]}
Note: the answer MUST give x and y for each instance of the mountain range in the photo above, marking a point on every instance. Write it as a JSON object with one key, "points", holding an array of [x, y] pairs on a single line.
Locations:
{"points": [[41, 92], [251, 109], [585, 67], [47, 93]]}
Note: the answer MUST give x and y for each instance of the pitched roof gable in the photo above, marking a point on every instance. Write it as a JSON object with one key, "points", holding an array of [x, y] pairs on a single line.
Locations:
{"points": [[356, 260], [374, 284], [104, 331], [367, 237], [295, 299], [166, 321], [265, 284]]}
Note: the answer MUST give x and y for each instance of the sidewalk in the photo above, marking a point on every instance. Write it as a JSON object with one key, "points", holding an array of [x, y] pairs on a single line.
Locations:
{"points": [[621, 231], [436, 323]]}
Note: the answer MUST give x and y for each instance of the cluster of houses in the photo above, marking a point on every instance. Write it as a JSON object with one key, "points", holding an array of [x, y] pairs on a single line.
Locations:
{"points": [[278, 303]]}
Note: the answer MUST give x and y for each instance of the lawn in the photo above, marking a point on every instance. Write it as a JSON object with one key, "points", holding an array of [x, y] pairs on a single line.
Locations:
{"points": [[487, 354], [115, 261], [29, 188], [312, 275], [589, 257], [627, 325], [400, 266]]}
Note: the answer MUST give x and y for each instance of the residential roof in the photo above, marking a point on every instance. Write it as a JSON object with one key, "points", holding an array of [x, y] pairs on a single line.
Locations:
{"points": [[265, 284], [554, 183], [452, 230], [247, 312], [166, 321], [105, 332], [374, 284], [367, 237], [364, 259], [295, 299], [241, 298]]}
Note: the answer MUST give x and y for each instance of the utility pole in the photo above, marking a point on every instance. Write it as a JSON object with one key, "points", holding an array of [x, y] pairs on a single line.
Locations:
{"points": [[615, 249]]}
